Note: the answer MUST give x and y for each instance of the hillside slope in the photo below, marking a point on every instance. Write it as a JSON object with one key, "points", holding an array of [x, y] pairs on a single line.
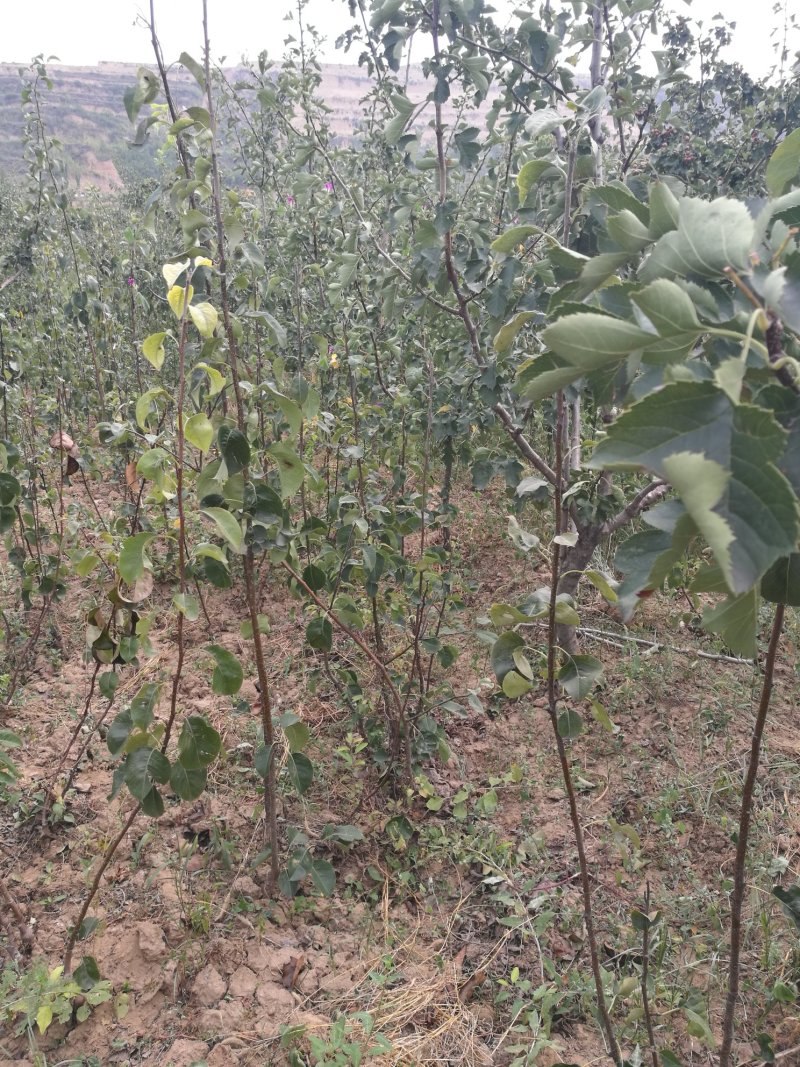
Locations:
{"points": [[85, 111]]}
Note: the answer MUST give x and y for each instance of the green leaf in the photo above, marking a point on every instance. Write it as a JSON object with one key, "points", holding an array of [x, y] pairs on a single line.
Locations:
{"points": [[784, 165], [215, 379], [246, 627], [153, 804], [196, 69], [143, 769], [187, 605], [301, 771], [503, 654], [602, 585], [187, 782], [205, 550], [290, 469], [565, 613], [228, 675], [602, 717], [133, 557], [179, 299], [711, 237], [504, 616], [153, 349], [664, 210], [145, 91], [579, 675], [589, 341], [698, 1027], [721, 458], [790, 899], [736, 622], [668, 309], [509, 240], [263, 759], [319, 634], [504, 338], [323, 876], [234, 447], [297, 733], [781, 583], [535, 170], [628, 231], [543, 121], [289, 409], [570, 725], [199, 743], [199, 431], [228, 526], [44, 1016], [172, 271], [145, 406]]}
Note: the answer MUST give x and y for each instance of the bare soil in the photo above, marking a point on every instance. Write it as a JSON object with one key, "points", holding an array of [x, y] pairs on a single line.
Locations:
{"points": [[215, 964]]}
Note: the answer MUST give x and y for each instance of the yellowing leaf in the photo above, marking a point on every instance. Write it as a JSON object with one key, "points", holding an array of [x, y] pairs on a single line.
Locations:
{"points": [[203, 261], [44, 1016], [178, 299], [205, 318], [173, 271], [153, 349], [215, 379], [199, 431]]}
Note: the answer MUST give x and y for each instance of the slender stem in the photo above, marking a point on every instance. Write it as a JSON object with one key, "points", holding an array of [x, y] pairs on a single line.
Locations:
{"points": [[745, 816], [107, 856], [566, 772], [648, 1016], [265, 702]]}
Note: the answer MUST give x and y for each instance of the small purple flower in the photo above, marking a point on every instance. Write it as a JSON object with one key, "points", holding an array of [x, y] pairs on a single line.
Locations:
{"points": [[290, 201], [328, 187], [131, 280]]}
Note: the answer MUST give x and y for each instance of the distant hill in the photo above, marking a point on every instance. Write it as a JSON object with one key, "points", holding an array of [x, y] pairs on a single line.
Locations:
{"points": [[85, 111]]}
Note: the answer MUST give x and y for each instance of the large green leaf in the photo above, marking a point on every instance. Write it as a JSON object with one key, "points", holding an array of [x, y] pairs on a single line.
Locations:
{"points": [[736, 622], [187, 782], [133, 557], [783, 169], [579, 675], [228, 675], [234, 447], [711, 237], [722, 459], [664, 210], [143, 769], [199, 743], [667, 309], [589, 341], [781, 583]]}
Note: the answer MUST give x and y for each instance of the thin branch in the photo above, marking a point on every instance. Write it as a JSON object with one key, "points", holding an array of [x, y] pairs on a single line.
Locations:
{"points": [[745, 816], [643, 500]]}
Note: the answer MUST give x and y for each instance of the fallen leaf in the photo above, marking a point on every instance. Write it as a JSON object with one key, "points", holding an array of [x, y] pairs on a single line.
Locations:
{"points": [[291, 971], [467, 991]]}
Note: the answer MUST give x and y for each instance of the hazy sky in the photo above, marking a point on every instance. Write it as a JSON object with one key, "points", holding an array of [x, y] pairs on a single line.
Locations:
{"points": [[83, 32]]}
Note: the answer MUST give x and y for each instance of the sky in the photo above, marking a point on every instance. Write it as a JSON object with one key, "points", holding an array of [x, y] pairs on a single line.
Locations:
{"points": [[84, 32]]}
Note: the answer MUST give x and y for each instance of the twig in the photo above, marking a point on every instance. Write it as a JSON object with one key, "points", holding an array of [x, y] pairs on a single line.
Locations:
{"points": [[745, 815]]}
